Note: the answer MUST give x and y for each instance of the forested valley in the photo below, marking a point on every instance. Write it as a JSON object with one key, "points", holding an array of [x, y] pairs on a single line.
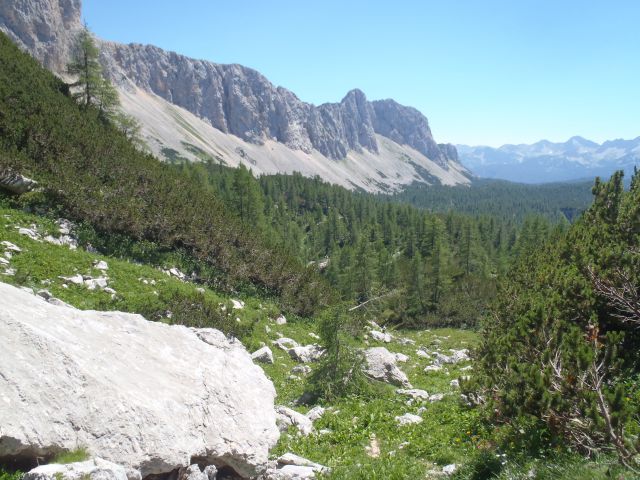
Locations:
{"points": [[532, 290]]}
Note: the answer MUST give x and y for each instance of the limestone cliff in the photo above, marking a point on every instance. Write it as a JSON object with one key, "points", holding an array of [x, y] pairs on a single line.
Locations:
{"points": [[338, 141]]}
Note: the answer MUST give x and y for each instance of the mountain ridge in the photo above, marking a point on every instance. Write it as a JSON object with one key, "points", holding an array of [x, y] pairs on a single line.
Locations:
{"points": [[546, 161], [340, 141]]}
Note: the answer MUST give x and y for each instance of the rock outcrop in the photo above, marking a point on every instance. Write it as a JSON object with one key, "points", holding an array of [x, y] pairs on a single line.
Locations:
{"points": [[386, 144], [45, 28], [145, 395]]}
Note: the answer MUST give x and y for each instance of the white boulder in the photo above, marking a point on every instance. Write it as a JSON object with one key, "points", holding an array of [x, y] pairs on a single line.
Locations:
{"points": [[286, 417], [146, 395], [306, 354], [380, 336], [94, 469], [263, 355], [380, 364], [285, 343], [414, 393], [316, 412], [101, 265], [408, 419]]}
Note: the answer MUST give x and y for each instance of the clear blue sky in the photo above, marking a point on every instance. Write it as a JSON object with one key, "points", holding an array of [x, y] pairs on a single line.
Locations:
{"points": [[483, 71]]}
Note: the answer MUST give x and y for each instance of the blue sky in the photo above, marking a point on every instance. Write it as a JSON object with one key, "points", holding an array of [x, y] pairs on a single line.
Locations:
{"points": [[483, 71]]}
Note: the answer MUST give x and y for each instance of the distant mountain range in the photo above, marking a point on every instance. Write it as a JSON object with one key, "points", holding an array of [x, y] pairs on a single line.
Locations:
{"points": [[544, 161]]}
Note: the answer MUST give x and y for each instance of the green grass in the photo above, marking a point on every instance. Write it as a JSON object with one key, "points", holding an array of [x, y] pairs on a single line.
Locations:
{"points": [[10, 475], [78, 455]]}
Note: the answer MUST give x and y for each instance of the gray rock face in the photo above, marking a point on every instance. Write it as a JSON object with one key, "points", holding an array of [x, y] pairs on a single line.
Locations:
{"points": [[45, 28], [146, 395], [16, 183], [233, 98]]}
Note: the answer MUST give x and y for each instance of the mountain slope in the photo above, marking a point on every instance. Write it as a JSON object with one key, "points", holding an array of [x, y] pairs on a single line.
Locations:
{"points": [[238, 116], [545, 161]]}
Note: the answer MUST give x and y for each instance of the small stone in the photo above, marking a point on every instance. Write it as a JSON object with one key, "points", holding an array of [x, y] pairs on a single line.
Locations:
{"points": [[408, 419], [101, 265], [281, 320], [10, 246], [237, 304], [285, 343], [263, 355], [449, 469], [315, 413], [75, 279], [380, 336]]}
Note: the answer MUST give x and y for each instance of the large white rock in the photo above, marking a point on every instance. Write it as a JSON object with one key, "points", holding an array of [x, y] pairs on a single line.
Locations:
{"points": [[94, 469], [146, 395], [380, 364]]}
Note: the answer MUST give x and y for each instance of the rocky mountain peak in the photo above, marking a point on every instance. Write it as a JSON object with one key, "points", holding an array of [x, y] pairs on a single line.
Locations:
{"points": [[241, 103]]}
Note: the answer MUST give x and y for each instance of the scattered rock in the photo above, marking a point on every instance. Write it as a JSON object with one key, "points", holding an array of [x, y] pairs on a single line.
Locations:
{"points": [[294, 467], [380, 364], [10, 246], [414, 393], [314, 336], [94, 469], [96, 283], [316, 412], [285, 343], [457, 356], [16, 183], [373, 449], [436, 397], [237, 304], [401, 357], [281, 320], [286, 417], [174, 272], [454, 383], [433, 368], [307, 353], [406, 341], [32, 232], [101, 265], [380, 336], [263, 355], [408, 419], [422, 353], [76, 279], [301, 369], [449, 469]]}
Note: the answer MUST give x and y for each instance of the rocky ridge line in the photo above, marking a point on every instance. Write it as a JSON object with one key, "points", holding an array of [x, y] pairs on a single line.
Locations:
{"points": [[232, 98]]}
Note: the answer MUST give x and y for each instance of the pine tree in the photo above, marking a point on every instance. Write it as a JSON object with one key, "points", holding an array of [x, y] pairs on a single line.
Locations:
{"points": [[91, 88]]}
